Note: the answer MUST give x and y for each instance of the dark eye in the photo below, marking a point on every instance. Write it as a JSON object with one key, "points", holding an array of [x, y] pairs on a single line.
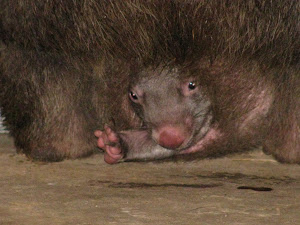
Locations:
{"points": [[191, 85], [133, 96]]}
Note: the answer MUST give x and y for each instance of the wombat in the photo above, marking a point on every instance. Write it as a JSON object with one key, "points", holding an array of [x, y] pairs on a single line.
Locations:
{"points": [[208, 109], [66, 66]]}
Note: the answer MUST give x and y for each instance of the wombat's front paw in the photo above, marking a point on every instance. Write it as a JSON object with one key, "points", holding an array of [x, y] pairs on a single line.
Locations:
{"points": [[109, 141]]}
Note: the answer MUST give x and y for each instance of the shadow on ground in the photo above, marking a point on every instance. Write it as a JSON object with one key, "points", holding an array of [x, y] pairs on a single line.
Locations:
{"points": [[242, 189]]}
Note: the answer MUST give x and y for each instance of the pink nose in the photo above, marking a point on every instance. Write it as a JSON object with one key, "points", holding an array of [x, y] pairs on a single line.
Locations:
{"points": [[171, 137]]}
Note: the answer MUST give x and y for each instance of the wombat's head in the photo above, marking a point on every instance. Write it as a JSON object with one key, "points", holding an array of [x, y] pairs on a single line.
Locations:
{"points": [[173, 107]]}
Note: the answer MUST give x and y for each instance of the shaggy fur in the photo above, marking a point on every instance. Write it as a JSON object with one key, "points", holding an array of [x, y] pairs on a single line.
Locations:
{"points": [[65, 67]]}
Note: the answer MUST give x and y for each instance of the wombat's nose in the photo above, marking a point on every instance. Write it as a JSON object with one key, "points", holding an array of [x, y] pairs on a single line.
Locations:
{"points": [[171, 137]]}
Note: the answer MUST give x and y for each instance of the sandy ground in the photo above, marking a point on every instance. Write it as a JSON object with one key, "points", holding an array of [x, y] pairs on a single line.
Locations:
{"points": [[242, 189]]}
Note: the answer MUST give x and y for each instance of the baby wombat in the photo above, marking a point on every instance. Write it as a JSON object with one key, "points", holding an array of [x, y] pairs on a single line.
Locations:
{"points": [[205, 109]]}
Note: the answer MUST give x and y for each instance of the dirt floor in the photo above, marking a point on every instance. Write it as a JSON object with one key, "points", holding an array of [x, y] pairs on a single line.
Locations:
{"points": [[242, 189]]}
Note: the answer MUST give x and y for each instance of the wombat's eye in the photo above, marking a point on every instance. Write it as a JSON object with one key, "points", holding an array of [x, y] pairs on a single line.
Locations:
{"points": [[133, 96], [192, 85], [189, 88]]}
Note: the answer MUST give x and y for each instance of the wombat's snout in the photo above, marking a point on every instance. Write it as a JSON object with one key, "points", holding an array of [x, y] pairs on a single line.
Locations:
{"points": [[171, 137]]}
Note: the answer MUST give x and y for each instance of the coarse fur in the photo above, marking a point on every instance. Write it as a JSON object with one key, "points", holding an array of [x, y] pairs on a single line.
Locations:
{"points": [[66, 67]]}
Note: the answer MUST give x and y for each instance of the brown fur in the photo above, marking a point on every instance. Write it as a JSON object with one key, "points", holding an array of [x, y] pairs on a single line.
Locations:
{"points": [[65, 68]]}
